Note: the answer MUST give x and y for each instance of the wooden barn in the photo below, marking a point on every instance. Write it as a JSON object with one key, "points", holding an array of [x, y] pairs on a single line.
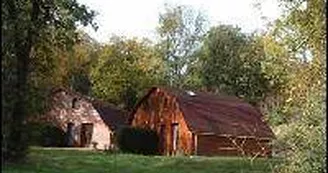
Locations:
{"points": [[87, 122], [193, 123]]}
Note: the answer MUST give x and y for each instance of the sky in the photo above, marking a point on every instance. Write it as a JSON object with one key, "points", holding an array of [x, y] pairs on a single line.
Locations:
{"points": [[139, 18]]}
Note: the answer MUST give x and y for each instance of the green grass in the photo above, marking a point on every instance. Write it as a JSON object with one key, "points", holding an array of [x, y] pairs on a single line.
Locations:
{"points": [[69, 161]]}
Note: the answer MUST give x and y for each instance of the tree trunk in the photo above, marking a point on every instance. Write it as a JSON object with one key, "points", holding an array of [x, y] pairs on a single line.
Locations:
{"points": [[16, 144]]}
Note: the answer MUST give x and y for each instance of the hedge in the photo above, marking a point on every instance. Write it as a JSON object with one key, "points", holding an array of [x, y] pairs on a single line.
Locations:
{"points": [[138, 141]]}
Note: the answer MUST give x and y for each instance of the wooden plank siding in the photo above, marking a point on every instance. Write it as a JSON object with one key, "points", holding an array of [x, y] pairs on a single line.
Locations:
{"points": [[162, 109]]}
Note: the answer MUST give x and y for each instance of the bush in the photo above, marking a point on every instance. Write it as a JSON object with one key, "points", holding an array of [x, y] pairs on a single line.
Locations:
{"points": [[305, 140], [45, 135], [138, 141]]}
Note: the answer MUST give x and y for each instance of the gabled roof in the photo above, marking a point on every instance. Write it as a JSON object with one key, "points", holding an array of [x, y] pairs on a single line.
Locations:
{"points": [[112, 116], [221, 115]]}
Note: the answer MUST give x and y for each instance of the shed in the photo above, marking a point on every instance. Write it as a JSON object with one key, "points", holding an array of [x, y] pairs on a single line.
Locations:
{"points": [[197, 123], [87, 122]]}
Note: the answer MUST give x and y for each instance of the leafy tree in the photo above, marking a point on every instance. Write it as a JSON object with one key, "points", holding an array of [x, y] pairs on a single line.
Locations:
{"points": [[305, 138], [125, 68], [296, 54], [280, 69], [181, 29], [231, 63], [301, 33], [82, 56], [30, 30]]}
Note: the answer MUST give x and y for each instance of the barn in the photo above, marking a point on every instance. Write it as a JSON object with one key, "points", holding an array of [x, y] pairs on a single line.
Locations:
{"points": [[195, 123], [86, 122]]}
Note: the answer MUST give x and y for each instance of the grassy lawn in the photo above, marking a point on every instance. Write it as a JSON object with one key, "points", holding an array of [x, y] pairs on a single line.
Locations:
{"points": [[70, 161]]}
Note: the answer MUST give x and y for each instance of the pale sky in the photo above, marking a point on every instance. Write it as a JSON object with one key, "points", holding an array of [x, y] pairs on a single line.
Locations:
{"points": [[139, 18]]}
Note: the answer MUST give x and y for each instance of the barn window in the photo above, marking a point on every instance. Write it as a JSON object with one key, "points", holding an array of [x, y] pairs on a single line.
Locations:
{"points": [[74, 103], [175, 136]]}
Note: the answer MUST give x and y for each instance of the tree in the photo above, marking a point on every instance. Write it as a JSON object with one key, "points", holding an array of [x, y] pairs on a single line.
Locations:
{"points": [[231, 63], [81, 58], [29, 27], [181, 29], [301, 33], [124, 70], [296, 54]]}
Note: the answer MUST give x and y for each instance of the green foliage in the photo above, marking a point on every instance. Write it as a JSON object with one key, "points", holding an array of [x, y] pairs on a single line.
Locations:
{"points": [[300, 37], [33, 33], [231, 63], [47, 135], [304, 21], [305, 138], [181, 29], [124, 69], [138, 141]]}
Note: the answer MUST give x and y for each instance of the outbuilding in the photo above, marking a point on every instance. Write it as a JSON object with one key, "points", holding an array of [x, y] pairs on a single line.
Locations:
{"points": [[197, 123], [85, 121]]}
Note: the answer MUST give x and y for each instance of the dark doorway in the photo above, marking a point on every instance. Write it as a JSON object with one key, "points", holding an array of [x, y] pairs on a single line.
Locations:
{"points": [[162, 139], [86, 134], [70, 135]]}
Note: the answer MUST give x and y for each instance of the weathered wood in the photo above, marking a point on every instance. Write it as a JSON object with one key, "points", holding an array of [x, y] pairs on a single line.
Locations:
{"points": [[159, 112], [218, 145]]}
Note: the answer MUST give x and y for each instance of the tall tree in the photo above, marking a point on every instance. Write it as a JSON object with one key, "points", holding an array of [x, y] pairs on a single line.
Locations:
{"points": [[124, 70], [231, 63], [181, 29], [83, 55], [27, 27]]}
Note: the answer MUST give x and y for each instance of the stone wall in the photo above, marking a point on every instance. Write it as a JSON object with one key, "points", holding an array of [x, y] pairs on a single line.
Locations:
{"points": [[72, 108]]}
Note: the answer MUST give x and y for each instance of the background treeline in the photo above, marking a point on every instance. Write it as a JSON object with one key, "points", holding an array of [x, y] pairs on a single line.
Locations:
{"points": [[281, 70]]}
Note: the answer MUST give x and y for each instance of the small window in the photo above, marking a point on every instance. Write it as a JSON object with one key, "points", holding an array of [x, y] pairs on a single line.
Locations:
{"points": [[74, 103]]}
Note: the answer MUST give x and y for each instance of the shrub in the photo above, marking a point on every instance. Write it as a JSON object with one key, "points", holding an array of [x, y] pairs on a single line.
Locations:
{"points": [[305, 140], [138, 141], [45, 135]]}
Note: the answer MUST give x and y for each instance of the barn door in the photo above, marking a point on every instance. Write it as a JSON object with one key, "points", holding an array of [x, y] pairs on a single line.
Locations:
{"points": [[175, 138], [86, 134]]}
